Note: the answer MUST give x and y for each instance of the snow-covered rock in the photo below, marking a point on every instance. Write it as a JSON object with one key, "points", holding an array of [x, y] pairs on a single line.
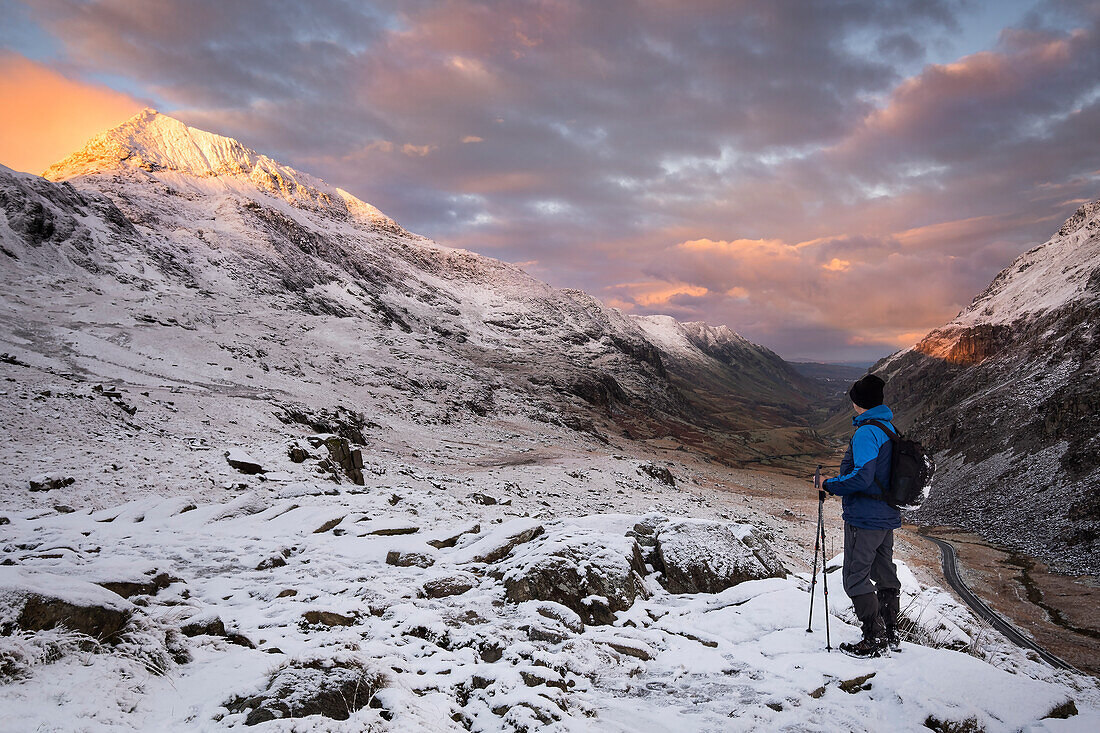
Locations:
{"points": [[699, 556], [593, 573], [33, 601]]}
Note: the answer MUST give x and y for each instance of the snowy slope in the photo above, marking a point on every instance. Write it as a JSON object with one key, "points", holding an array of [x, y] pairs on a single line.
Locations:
{"points": [[1009, 393], [1046, 278]]}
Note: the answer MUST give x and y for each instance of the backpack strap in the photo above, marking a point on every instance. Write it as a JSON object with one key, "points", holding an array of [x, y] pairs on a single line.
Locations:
{"points": [[891, 434]]}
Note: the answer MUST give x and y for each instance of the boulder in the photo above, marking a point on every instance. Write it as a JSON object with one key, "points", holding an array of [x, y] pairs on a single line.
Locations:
{"points": [[451, 537], [408, 559], [203, 624], [658, 472], [148, 585], [243, 462], [343, 455], [448, 585], [327, 618], [334, 686], [36, 601], [698, 556], [497, 543], [592, 573], [50, 481]]}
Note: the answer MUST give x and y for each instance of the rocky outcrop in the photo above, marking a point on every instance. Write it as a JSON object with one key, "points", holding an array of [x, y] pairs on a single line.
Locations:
{"points": [[331, 686], [698, 556], [594, 574], [243, 462], [498, 542], [343, 455], [50, 481], [36, 601]]}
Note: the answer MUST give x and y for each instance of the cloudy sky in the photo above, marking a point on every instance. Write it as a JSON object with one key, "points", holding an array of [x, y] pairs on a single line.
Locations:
{"points": [[831, 179]]}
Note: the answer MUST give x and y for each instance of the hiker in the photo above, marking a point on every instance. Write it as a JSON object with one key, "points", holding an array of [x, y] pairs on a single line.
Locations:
{"points": [[869, 574]]}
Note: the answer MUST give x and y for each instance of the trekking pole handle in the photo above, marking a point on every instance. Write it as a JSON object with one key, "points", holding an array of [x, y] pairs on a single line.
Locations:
{"points": [[817, 484]]}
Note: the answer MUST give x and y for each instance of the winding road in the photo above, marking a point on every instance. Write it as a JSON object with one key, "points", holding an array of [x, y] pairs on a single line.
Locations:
{"points": [[951, 573]]}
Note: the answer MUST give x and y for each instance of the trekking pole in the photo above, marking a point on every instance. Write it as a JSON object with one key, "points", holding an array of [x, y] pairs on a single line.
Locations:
{"points": [[824, 557], [817, 540]]}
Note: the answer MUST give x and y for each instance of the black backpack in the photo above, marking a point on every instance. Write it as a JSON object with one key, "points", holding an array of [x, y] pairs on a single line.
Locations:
{"points": [[911, 471]]}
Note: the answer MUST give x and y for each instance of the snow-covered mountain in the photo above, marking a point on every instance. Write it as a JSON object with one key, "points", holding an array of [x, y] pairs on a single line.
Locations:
{"points": [[1009, 393], [188, 228]]}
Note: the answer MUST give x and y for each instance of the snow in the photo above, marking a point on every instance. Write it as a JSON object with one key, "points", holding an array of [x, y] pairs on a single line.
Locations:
{"points": [[17, 584], [670, 662]]}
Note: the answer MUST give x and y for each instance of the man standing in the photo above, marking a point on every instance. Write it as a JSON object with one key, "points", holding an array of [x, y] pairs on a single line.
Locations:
{"points": [[869, 574]]}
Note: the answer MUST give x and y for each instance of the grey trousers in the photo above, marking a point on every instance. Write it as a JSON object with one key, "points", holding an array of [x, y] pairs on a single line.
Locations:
{"points": [[868, 561]]}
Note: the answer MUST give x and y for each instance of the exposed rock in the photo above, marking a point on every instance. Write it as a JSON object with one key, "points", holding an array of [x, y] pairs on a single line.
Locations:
{"points": [[145, 587], [1066, 710], [448, 585], [591, 573], [327, 618], [4, 520], [349, 459], [856, 684], [389, 529], [329, 524], [61, 509], [277, 560], [562, 614], [660, 473], [407, 559], [497, 543], [450, 539], [35, 601], [50, 481], [630, 647], [297, 453], [337, 421], [204, 624], [699, 556], [483, 499], [243, 462], [334, 686]]}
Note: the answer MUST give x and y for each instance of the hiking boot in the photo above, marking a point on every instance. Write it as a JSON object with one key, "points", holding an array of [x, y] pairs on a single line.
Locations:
{"points": [[892, 640], [865, 648]]}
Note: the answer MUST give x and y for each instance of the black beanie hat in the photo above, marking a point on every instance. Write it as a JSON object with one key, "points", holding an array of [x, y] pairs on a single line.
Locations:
{"points": [[867, 392]]}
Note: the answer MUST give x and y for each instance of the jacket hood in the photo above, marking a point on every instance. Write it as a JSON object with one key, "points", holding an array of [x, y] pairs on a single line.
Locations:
{"points": [[882, 412]]}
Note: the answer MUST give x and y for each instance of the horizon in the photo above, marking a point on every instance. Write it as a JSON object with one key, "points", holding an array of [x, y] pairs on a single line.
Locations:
{"points": [[833, 204]]}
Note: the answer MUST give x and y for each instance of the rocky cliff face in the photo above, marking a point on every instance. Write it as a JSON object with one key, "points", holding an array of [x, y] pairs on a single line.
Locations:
{"points": [[1008, 393], [163, 245]]}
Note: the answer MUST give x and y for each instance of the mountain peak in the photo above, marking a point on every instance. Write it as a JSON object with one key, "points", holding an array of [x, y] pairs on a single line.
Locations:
{"points": [[166, 147], [1060, 271]]}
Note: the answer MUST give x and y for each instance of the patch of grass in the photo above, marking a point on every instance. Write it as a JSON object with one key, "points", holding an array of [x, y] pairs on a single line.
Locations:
{"points": [[970, 725], [22, 651]]}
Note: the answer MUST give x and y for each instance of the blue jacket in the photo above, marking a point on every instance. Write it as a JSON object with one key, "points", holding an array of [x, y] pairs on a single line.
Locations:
{"points": [[867, 459]]}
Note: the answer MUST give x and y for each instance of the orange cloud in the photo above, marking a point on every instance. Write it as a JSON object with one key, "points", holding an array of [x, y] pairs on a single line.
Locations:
{"points": [[44, 116], [649, 294], [837, 265]]}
